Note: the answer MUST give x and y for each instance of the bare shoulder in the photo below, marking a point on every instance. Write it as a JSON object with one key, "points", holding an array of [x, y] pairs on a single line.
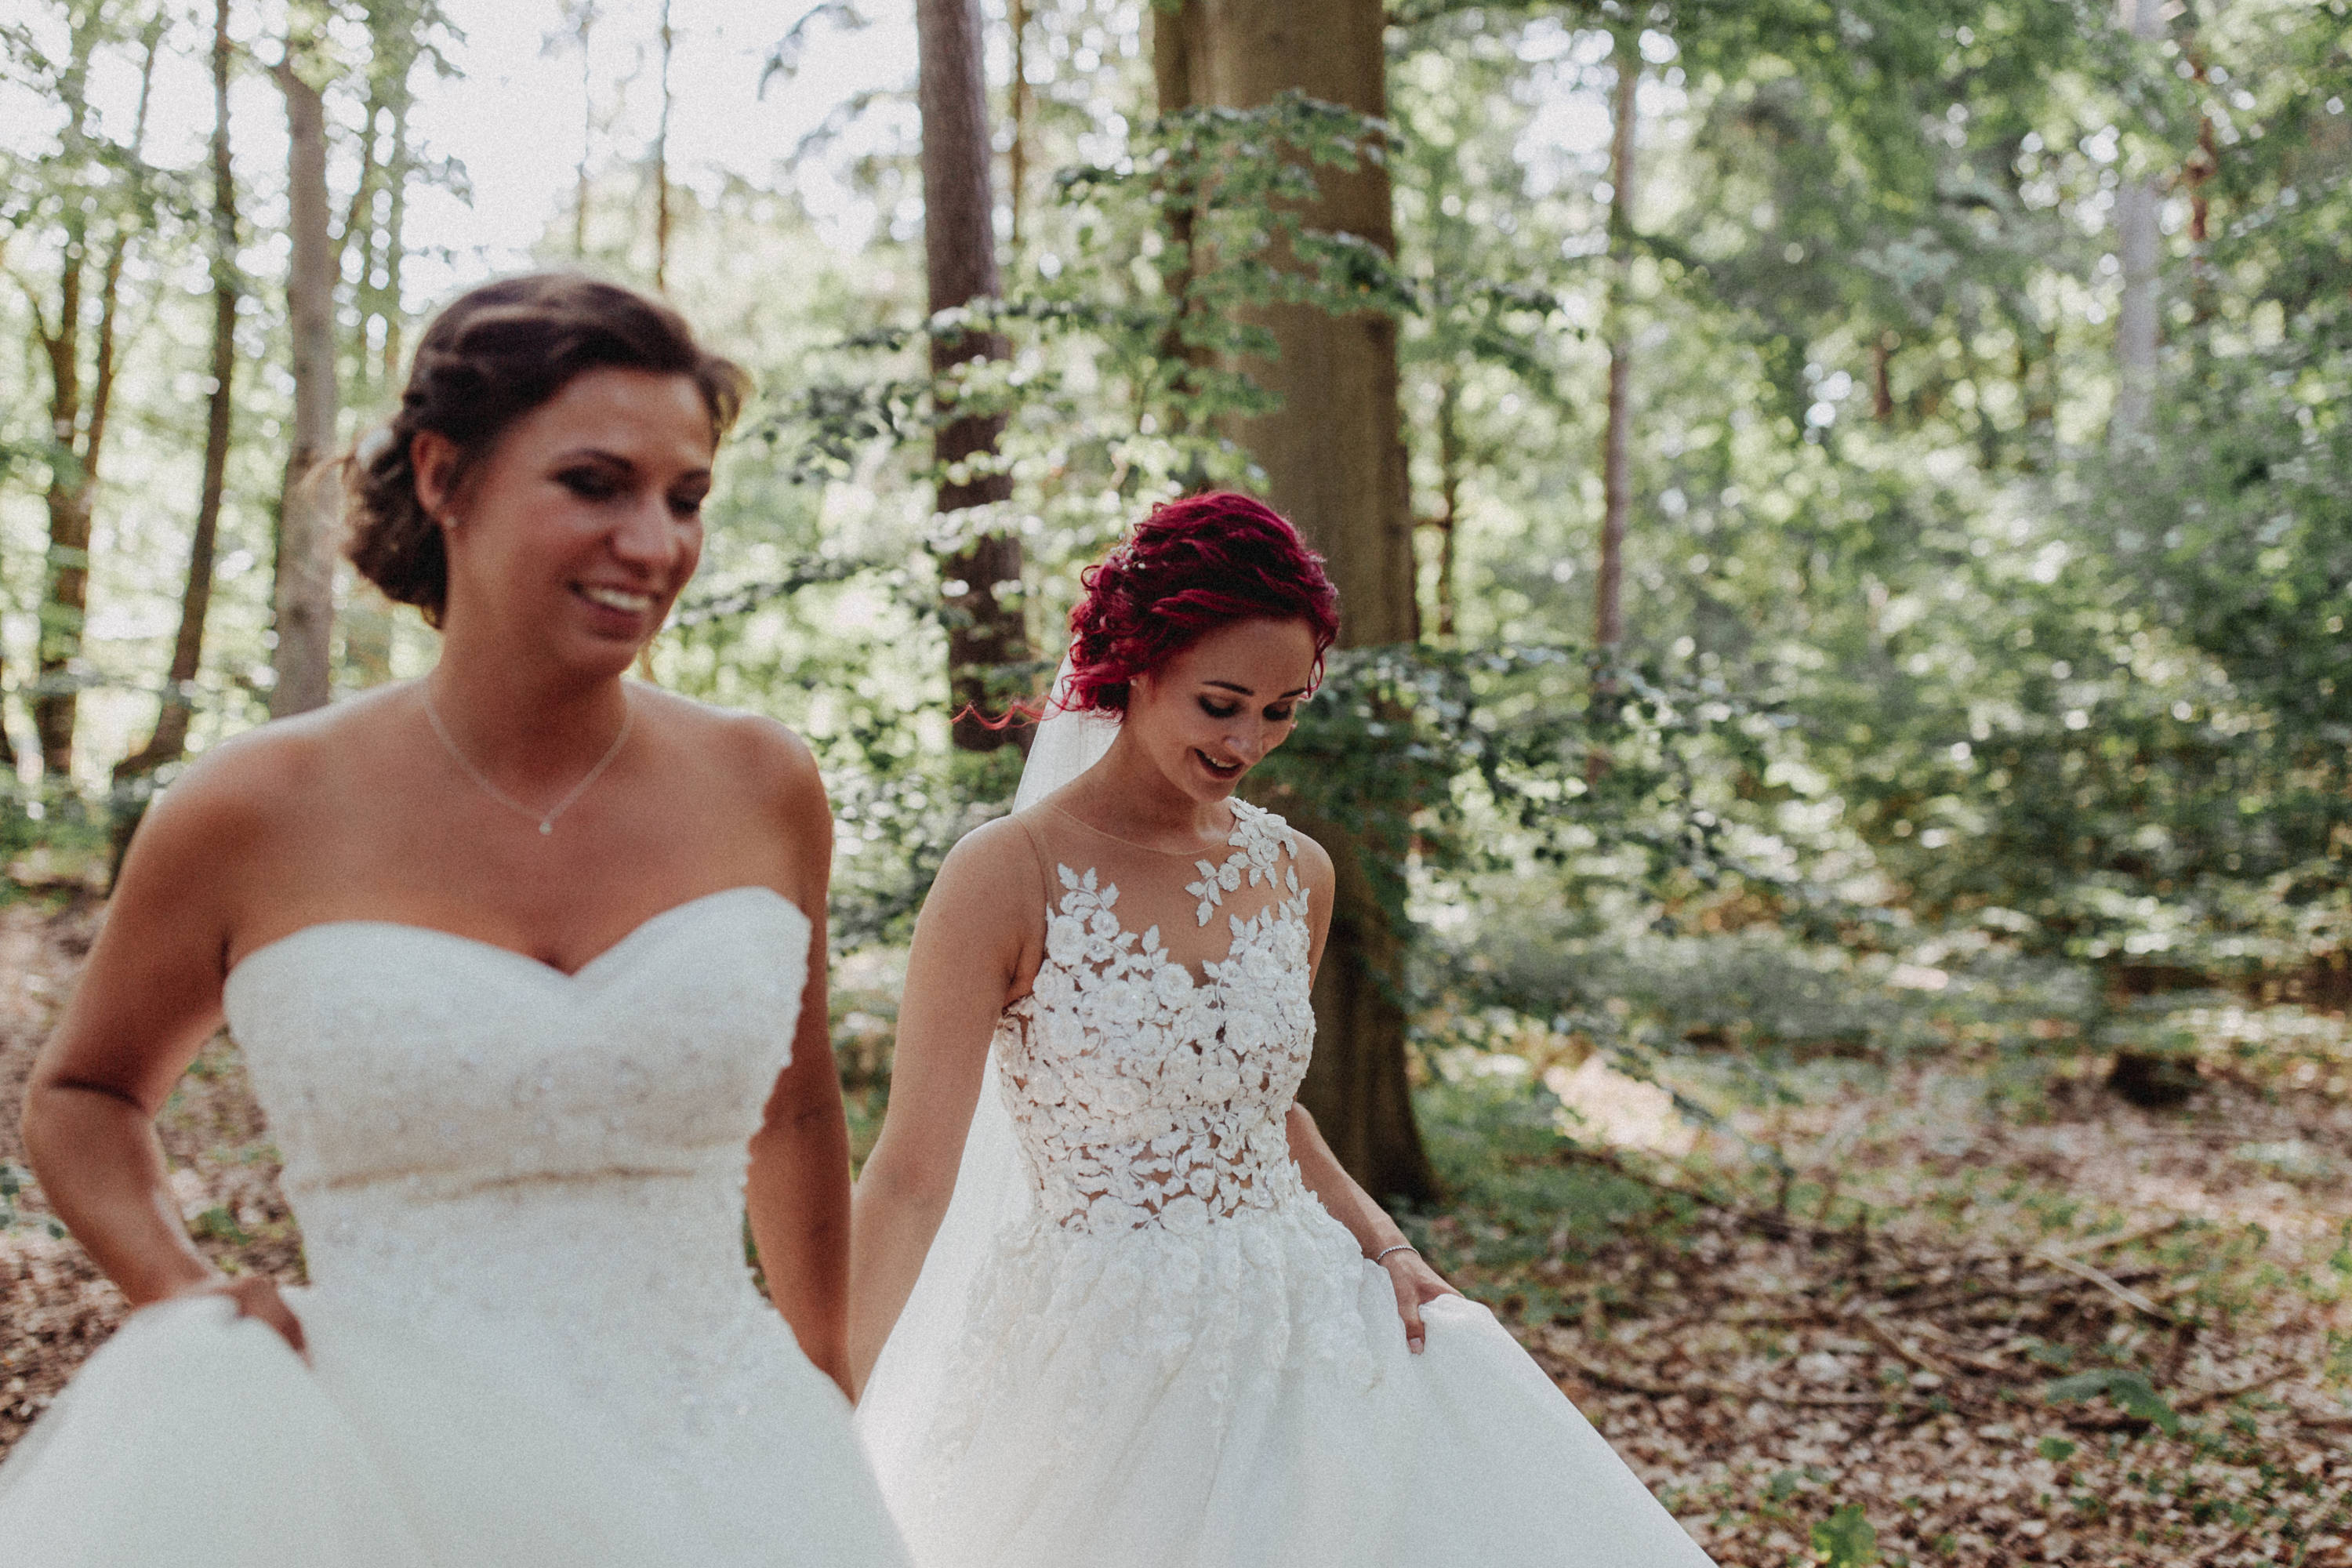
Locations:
{"points": [[752, 748], [1315, 867], [996, 854], [242, 793]]}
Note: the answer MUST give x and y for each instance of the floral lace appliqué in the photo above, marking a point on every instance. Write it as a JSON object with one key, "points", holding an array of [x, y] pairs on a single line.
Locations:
{"points": [[1172, 1236], [1259, 838], [1142, 1097]]}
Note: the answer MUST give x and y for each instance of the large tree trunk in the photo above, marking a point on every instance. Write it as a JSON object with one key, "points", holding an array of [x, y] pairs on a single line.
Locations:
{"points": [[981, 580], [170, 736], [308, 513], [2138, 247], [1335, 462]]}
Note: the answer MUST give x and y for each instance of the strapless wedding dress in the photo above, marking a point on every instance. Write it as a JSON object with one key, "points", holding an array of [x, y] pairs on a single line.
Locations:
{"points": [[532, 1340], [1174, 1357]]}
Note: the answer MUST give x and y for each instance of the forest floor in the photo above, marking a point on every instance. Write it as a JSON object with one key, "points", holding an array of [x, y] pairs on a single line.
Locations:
{"points": [[1974, 1311]]}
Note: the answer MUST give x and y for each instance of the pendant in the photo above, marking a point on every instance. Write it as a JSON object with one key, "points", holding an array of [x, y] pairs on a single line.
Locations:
{"points": [[546, 827]]}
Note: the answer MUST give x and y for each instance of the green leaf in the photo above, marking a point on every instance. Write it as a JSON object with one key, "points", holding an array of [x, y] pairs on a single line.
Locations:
{"points": [[2130, 1390], [1845, 1539], [2057, 1450]]}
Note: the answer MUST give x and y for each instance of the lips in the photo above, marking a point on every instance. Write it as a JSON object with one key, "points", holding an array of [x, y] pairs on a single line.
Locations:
{"points": [[1216, 769], [628, 601]]}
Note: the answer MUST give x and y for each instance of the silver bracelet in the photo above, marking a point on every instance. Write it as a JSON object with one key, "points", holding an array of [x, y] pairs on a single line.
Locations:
{"points": [[1399, 1246]]}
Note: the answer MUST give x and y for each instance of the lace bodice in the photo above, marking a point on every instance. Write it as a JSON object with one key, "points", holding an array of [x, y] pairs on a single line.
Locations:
{"points": [[480, 1146], [1140, 1095]]}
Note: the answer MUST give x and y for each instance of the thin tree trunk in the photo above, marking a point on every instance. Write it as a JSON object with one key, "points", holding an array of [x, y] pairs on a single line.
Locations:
{"points": [[661, 161], [1616, 481], [1449, 492], [1882, 378], [1335, 462], [2138, 247], [308, 513], [1017, 155], [73, 485], [171, 737], [981, 580], [584, 23]]}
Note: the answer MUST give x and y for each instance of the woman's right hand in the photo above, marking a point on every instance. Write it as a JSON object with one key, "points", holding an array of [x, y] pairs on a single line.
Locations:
{"points": [[255, 1296]]}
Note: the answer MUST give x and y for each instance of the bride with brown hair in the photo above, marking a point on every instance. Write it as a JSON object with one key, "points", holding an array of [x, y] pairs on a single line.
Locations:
{"points": [[526, 962]]}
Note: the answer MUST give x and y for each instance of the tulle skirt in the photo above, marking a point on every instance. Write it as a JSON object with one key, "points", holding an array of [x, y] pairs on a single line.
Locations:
{"points": [[1243, 1396], [195, 1438]]}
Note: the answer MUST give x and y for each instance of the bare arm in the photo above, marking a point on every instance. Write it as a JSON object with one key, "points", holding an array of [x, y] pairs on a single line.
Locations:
{"points": [[796, 1191], [967, 961], [148, 999], [1376, 1234]]}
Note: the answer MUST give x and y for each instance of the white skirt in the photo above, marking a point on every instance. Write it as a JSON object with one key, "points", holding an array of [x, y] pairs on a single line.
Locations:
{"points": [[1242, 1396], [195, 1438]]}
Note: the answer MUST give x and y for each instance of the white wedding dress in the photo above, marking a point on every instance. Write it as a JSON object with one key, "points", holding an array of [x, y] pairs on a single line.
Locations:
{"points": [[1163, 1351], [532, 1341]]}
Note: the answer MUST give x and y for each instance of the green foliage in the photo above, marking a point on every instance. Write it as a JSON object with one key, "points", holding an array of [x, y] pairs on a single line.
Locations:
{"points": [[1845, 1539], [12, 1186], [2129, 1391]]}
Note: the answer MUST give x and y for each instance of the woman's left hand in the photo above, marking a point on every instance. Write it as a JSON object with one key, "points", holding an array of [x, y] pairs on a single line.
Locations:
{"points": [[1417, 1285]]}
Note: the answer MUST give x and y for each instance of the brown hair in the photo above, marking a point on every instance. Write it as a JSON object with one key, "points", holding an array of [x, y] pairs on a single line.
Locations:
{"points": [[491, 357]]}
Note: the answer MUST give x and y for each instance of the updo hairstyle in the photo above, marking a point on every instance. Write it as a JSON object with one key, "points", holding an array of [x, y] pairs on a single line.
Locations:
{"points": [[1193, 565], [495, 354]]}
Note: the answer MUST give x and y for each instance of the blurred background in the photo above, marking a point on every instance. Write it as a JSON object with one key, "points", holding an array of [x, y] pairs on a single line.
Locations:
{"points": [[1838, 753]]}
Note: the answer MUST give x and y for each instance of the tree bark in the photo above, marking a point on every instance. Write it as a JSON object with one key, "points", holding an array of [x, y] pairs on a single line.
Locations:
{"points": [[661, 161], [79, 430], [1334, 457], [1616, 481], [1449, 494], [308, 511], [170, 739], [981, 580], [1016, 176], [2138, 247], [583, 22]]}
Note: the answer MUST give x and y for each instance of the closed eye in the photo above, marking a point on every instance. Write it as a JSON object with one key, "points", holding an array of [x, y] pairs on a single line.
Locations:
{"points": [[589, 484]]}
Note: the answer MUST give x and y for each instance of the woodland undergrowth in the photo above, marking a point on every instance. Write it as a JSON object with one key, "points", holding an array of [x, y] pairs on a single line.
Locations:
{"points": [[1962, 1306]]}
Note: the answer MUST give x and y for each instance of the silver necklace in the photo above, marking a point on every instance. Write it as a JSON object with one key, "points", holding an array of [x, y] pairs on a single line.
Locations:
{"points": [[546, 821]]}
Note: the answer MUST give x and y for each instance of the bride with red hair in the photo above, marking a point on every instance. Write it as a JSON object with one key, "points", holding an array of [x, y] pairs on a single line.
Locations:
{"points": [[1112, 1298]]}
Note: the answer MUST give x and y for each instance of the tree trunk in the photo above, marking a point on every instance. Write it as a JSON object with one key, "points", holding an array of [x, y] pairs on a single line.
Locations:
{"points": [[1449, 495], [81, 434], [981, 580], [170, 736], [583, 23], [2138, 247], [661, 161], [1335, 462], [1017, 155], [1616, 481], [309, 512]]}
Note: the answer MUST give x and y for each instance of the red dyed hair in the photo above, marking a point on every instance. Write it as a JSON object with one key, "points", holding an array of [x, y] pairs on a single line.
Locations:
{"points": [[1193, 565]]}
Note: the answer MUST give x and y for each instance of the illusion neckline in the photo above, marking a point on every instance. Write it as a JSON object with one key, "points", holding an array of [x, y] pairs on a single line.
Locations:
{"points": [[1232, 805], [627, 939]]}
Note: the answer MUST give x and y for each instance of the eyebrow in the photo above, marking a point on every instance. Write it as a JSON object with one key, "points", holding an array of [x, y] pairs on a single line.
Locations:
{"points": [[599, 454], [1245, 691]]}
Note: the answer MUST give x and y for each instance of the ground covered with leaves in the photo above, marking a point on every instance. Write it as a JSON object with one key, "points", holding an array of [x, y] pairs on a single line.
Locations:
{"points": [[1969, 1308], [1976, 1312]]}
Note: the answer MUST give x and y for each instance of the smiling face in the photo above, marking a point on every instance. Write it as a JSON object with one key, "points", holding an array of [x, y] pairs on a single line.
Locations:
{"points": [[1212, 711], [577, 532]]}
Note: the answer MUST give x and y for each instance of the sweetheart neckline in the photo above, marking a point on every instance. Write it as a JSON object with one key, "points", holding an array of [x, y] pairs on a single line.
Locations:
{"points": [[572, 976]]}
